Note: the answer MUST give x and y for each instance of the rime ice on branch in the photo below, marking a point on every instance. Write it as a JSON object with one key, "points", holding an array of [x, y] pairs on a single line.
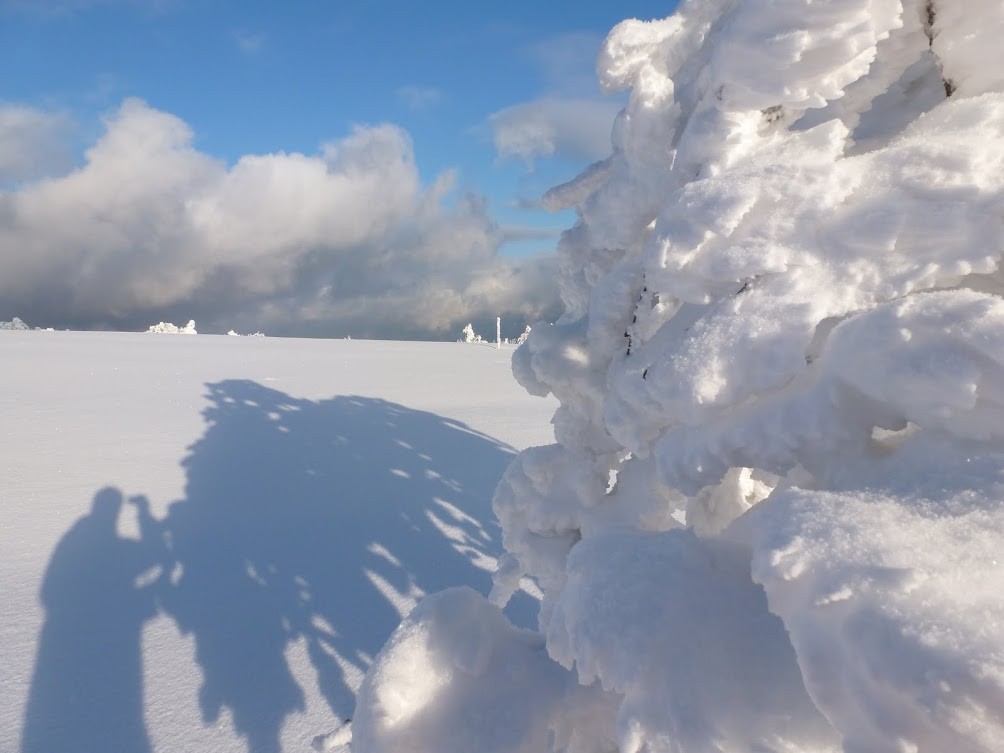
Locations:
{"points": [[774, 514]]}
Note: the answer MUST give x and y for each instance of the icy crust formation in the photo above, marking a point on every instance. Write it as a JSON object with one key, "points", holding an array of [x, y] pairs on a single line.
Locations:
{"points": [[772, 519]]}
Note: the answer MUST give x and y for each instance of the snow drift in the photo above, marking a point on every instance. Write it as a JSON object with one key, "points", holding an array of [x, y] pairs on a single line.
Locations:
{"points": [[772, 518]]}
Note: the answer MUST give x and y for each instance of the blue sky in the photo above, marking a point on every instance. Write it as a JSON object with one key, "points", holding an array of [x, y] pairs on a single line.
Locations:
{"points": [[502, 94]]}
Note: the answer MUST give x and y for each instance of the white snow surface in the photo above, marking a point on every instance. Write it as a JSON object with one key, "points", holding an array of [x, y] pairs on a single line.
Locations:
{"points": [[205, 540], [773, 518]]}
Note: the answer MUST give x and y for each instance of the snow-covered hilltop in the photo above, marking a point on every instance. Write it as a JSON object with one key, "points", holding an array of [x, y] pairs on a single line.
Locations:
{"points": [[783, 327]]}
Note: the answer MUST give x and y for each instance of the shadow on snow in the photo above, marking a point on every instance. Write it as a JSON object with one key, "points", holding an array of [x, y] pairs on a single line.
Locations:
{"points": [[86, 693], [302, 521]]}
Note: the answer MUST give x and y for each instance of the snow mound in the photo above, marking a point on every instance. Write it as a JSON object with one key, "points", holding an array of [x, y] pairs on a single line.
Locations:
{"points": [[457, 677], [167, 328], [772, 517]]}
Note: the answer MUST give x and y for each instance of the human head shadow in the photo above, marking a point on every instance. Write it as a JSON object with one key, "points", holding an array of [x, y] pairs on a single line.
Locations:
{"points": [[302, 519], [87, 688]]}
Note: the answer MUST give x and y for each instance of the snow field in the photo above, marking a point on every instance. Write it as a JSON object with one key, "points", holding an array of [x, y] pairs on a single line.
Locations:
{"points": [[303, 494]]}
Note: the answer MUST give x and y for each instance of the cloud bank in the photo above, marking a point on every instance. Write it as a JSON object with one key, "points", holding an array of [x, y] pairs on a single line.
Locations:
{"points": [[347, 241]]}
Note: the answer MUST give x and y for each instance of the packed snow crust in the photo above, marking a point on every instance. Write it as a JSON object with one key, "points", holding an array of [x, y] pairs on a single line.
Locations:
{"points": [[772, 519]]}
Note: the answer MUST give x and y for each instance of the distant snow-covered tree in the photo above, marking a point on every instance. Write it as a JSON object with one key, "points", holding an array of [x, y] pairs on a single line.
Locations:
{"points": [[168, 328], [469, 335], [773, 515], [15, 323], [235, 333]]}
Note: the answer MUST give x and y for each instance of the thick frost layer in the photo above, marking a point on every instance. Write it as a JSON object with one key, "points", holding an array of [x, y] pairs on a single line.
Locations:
{"points": [[772, 516], [890, 587]]}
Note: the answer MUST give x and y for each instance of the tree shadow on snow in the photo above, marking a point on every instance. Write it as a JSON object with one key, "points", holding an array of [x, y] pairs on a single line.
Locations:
{"points": [[87, 688], [302, 519]]}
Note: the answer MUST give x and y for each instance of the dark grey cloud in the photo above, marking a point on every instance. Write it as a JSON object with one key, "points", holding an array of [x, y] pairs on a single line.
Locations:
{"points": [[522, 233]]}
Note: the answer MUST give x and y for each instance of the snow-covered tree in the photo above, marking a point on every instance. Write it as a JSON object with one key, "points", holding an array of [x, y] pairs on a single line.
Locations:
{"points": [[469, 335], [15, 323], [773, 516], [169, 328]]}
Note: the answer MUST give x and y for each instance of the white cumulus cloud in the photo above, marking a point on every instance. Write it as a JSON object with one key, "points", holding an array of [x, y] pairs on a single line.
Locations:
{"points": [[552, 126], [347, 241], [570, 119], [567, 62], [248, 42], [32, 143], [419, 97]]}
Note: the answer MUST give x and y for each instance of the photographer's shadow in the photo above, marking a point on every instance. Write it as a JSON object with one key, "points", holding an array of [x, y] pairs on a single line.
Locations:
{"points": [[87, 689], [308, 520]]}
